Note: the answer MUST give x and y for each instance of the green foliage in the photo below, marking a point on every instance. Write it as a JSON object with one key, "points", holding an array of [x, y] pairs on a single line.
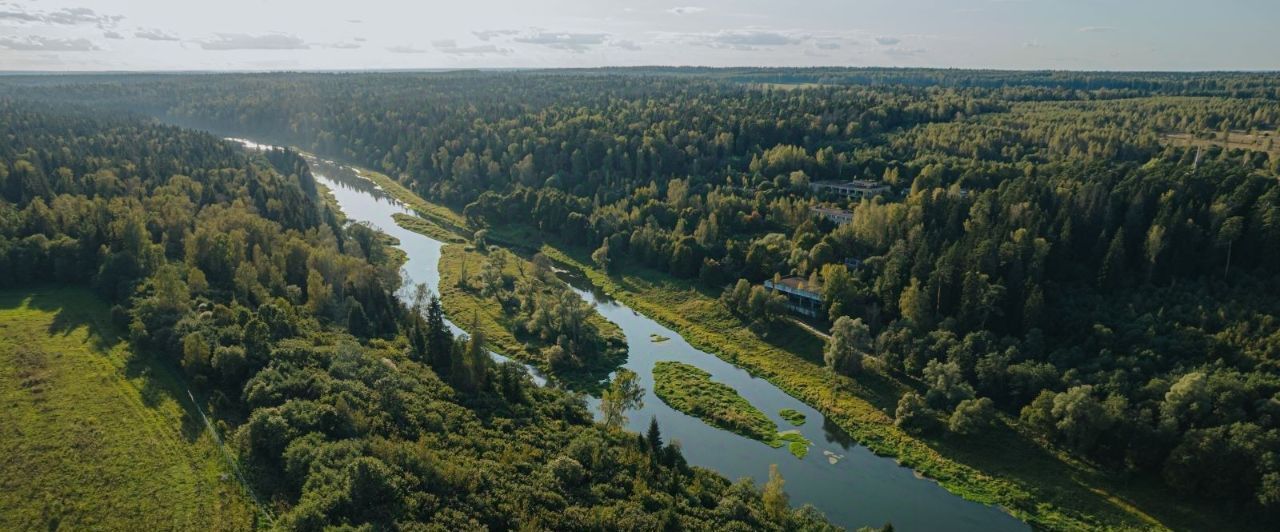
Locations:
{"points": [[756, 304], [972, 416], [849, 339], [792, 416], [776, 502], [624, 393], [912, 414], [345, 407], [1050, 243], [796, 443], [527, 313], [691, 390]]}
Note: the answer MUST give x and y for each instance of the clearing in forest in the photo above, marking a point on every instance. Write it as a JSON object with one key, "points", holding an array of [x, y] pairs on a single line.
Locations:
{"points": [[92, 437]]}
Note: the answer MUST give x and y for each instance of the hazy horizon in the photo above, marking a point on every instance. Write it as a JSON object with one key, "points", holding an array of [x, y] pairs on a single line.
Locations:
{"points": [[381, 35]]}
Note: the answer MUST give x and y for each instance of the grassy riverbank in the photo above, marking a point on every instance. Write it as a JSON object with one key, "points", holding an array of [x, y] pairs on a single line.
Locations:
{"points": [[691, 390], [94, 437], [438, 214], [424, 227], [1003, 467]]}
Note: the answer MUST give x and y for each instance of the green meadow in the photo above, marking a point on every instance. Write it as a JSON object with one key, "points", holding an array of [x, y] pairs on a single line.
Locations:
{"points": [[93, 437]]}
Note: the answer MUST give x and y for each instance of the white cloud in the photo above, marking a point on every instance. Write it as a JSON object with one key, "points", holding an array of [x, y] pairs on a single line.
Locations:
{"points": [[485, 35], [1095, 29], [406, 49], [887, 41], [67, 16], [690, 10], [449, 46], [749, 39], [902, 51], [21, 16], [573, 42], [154, 35], [625, 45], [245, 41], [37, 43], [112, 35]]}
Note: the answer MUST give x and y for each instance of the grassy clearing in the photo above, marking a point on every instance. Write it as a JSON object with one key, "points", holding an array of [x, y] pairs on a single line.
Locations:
{"points": [[474, 312], [95, 438], [792, 416], [690, 390], [1266, 141]]}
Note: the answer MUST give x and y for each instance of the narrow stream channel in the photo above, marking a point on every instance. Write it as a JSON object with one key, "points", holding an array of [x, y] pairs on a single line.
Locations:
{"points": [[845, 481]]}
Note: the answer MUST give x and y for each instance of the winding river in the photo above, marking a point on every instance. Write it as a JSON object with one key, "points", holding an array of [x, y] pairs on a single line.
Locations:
{"points": [[845, 481]]}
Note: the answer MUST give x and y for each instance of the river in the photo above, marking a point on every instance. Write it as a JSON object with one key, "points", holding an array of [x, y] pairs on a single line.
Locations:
{"points": [[849, 484]]}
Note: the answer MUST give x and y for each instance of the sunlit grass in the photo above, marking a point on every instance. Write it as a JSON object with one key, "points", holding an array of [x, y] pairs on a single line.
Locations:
{"points": [[94, 438]]}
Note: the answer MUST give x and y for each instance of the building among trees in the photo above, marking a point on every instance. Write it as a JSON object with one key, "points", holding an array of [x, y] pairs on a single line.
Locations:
{"points": [[836, 216], [803, 297], [855, 189]]}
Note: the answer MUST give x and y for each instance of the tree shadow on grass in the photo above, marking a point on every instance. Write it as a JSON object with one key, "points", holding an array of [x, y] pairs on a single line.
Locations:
{"points": [[74, 308], [71, 307]]}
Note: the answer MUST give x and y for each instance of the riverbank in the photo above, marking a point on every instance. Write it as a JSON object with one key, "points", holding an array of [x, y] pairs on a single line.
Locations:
{"points": [[1004, 467], [1001, 468], [437, 214]]}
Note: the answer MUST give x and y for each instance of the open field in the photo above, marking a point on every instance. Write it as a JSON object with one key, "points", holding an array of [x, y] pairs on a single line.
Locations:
{"points": [[1265, 141], [92, 437]]}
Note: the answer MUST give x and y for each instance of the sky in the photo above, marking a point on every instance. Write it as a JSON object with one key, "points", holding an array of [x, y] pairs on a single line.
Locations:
{"points": [[95, 35]]}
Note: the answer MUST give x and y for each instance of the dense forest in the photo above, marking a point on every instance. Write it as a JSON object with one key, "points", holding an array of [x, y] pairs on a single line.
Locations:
{"points": [[1042, 254], [344, 406]]}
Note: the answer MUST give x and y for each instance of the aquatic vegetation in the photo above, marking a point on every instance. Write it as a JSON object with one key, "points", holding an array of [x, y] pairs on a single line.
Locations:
{"points": [[792, 416]]}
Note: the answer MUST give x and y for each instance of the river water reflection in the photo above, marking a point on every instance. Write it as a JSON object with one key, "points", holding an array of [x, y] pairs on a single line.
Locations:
{"points": [[845, 481]]}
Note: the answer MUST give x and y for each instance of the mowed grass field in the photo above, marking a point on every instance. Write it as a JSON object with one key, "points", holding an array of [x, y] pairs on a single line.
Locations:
{"points": [[94, 438]]}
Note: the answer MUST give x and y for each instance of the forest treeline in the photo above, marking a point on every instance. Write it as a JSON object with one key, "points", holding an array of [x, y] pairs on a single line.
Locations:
{"points": [[345, 406], [1041, 253]]}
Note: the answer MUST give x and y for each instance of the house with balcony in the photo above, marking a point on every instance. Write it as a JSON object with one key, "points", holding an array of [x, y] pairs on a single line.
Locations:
{"points": [[803, 298]]}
